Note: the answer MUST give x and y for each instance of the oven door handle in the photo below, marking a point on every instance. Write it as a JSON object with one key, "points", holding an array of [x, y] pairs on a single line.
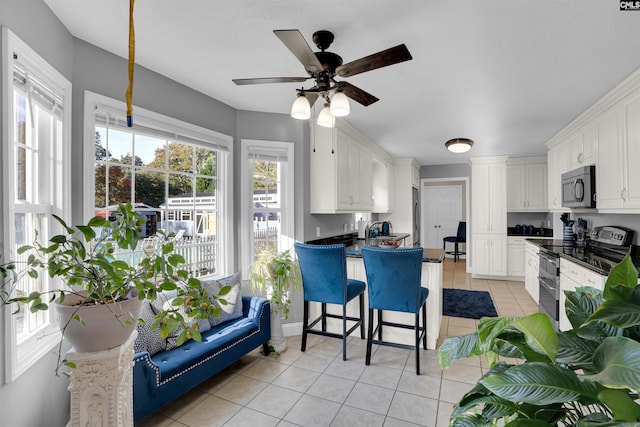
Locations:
{"points": [[544, 284], [549, 258]]}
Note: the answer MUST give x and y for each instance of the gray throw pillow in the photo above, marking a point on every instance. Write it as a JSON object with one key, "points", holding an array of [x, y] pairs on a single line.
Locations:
{"points": [[147, 339], [164, 302], [233, 308]]}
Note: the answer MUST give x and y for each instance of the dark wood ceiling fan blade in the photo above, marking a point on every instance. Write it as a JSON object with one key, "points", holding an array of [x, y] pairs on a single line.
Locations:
{"points": [[357, 94], [381, 59], [269, 80], [296, 43]]}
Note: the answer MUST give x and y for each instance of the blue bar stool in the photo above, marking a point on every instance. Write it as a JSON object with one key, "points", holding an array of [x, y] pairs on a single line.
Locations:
{"points": [[393, 284], [324, 280], [460, 237]]}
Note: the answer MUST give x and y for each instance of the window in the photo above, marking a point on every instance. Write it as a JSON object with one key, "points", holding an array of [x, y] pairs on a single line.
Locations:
{"points": [[173, 173], [36, 184], [267, 197]]}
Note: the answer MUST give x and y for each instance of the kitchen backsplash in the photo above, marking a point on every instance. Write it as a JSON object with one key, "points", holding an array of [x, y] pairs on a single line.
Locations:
{"points": [[537, 219], [594, 220]]}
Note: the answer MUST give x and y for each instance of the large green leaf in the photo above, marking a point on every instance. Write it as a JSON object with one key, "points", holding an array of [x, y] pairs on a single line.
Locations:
{"points": [[474, 396], [621, 404], [581, 303], [622, 279], [489, 328], [617, 362], [468, 420], [457, 348], [619, 313], [539, 384], [489, 405], [514, 345], [576, 351], [539, 334]]}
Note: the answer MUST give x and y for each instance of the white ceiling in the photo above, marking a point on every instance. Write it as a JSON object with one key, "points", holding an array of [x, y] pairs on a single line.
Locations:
{"points": [[508, 74]]}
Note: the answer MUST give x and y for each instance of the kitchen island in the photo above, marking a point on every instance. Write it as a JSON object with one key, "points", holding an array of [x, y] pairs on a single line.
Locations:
{"points": [[431, 279]]}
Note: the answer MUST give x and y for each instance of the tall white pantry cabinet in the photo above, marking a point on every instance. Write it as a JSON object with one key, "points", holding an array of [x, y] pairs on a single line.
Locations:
{"points": [[489, 216]]}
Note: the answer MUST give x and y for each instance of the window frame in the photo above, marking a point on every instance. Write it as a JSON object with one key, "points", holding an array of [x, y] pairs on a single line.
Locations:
{"points": [[19, 357], [287, 225], [219, 141]]}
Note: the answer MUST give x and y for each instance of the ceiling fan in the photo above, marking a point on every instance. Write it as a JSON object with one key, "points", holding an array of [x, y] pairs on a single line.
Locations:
{"points": [[323, 67]]}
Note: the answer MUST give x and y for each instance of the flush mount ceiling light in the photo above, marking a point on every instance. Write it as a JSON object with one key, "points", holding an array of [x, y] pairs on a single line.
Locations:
{"points": [[459, 145]]}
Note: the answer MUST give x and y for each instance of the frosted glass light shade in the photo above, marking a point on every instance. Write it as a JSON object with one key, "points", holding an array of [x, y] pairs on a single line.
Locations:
{"points": [[459, 145], [325, 119], [339, 105], [301, 109]]}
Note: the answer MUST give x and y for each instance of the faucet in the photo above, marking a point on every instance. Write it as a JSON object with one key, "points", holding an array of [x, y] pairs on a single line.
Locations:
{"points": [[368, 228]]}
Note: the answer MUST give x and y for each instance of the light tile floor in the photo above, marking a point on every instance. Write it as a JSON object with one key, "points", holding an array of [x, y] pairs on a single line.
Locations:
{"points": [[318, 388]]}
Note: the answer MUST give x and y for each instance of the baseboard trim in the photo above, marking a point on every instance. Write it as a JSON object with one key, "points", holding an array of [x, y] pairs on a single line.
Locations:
{"points": [[292, 329]]}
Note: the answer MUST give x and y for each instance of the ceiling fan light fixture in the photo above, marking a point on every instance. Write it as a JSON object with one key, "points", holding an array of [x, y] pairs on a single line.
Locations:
{"points": [[339, 105], [325, 119], [459, 145], [301, 109]]}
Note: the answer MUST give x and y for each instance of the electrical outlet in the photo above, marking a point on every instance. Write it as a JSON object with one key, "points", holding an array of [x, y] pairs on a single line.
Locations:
{"points": [[317, 231]]}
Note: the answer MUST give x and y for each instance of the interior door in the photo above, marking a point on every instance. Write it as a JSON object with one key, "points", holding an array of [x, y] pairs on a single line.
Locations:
{"points": [[441, 213]]}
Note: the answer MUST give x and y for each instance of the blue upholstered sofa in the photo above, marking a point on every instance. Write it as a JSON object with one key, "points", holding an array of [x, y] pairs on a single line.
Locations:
{"points": [[162, 377]]}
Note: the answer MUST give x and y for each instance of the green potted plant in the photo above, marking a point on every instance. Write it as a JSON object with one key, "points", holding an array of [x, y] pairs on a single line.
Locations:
{"points": [[93, 288], [589, 375], [276, 274]]}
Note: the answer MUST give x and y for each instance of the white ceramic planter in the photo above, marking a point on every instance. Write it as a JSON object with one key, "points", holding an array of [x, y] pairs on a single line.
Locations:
{"points": [[105, 326], [277, 341]]}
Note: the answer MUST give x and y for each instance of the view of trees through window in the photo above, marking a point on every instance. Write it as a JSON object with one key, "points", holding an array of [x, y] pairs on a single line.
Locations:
{"points": [[172, 183]]}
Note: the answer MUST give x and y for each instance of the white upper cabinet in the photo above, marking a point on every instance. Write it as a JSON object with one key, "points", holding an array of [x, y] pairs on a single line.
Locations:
{"points": [[583, 147], [607, 134], [341, 171], [609, 173], [631, 154], [382, 186], [527, 184], [554, 198], [488, 195]]}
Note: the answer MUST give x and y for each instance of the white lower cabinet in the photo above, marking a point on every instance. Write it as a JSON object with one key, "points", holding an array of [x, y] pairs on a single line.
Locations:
{"points": [[489, 255], [515, 257], [531, 268], [573, 276]]}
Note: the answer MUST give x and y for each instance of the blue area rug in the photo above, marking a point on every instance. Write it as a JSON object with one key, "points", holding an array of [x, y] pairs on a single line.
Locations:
{"points": [[469, 304]]}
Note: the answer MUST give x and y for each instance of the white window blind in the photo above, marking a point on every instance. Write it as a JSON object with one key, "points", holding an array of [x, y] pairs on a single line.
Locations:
{"points": [[157, 129]]}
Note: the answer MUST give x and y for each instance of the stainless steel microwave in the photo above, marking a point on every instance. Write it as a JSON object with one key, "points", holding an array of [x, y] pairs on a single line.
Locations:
{"points": [[579, 188]]}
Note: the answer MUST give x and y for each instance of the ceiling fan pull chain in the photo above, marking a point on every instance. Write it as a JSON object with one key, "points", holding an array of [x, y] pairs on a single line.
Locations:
{"points": [[333, 140], [312, 125], [132, 54]]}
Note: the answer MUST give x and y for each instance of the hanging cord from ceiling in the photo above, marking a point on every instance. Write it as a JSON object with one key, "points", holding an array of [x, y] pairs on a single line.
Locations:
{"points": [[132, 54]]}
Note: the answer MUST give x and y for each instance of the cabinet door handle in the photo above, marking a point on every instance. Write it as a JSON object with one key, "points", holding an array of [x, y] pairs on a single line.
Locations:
{"points": [[623, 194], [579, 158]]}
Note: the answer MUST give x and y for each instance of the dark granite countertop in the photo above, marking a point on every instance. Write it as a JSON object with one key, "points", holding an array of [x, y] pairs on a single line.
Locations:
{"points": [[592, 258], [429, 254], [353, 245]]}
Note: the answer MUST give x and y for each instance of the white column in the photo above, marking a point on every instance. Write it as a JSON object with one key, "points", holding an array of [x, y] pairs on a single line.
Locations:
{"points": [[432, 279], [102, 387]]}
